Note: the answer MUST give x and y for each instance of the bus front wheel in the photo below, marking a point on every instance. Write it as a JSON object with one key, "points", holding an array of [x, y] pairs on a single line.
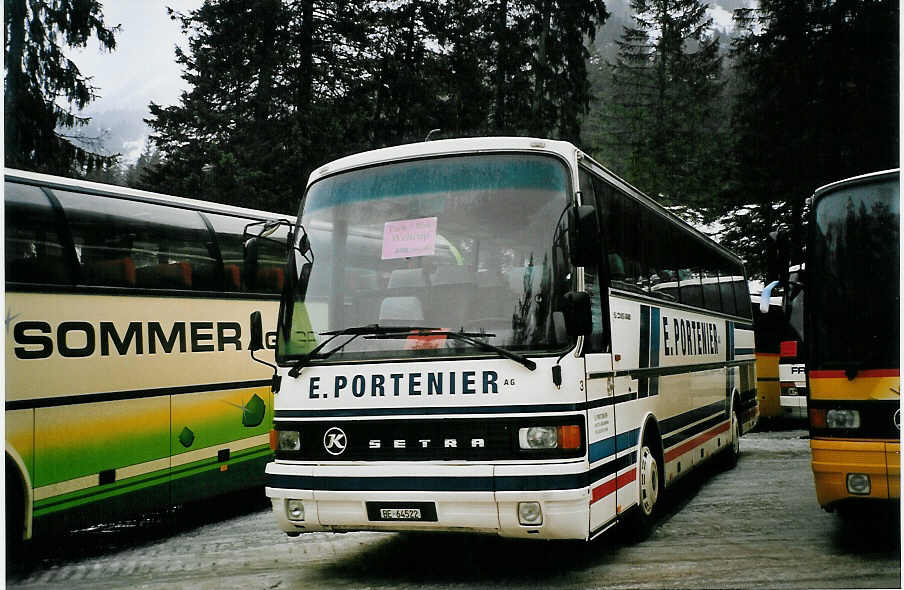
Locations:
{"points": [[649, 491]]}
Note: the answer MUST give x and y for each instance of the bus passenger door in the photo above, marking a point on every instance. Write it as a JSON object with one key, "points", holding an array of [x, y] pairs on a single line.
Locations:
{"points": [[599, 379], [601, 439]]}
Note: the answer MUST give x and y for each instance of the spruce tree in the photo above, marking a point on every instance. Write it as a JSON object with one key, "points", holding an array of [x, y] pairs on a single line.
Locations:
{"points": [[40, 80], [662, 129], [817, 101]]}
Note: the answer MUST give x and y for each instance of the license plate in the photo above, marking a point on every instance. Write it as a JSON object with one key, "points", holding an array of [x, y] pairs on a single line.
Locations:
{"points": [[400, 513]]}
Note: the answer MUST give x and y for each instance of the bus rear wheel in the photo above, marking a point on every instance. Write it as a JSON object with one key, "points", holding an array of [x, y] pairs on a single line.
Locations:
{"points": [[15, 517], [733, 452]]}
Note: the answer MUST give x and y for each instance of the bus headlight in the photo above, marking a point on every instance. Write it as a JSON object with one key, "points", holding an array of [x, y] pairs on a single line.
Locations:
{"points": [[858, 483], [550, 437], [843, 419], [538, 437], [530, 514], [288, 440], [295, 509]]}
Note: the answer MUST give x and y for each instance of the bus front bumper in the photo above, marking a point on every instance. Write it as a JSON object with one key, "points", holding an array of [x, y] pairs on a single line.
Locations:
{"points": [[451, 498], [836, 461]]}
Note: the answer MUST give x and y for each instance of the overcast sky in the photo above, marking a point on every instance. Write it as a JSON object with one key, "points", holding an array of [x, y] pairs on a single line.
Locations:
{"points": [[142, 68]]}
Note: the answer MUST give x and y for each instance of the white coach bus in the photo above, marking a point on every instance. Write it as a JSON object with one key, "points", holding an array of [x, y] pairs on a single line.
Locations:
{"points": [[501, 356]]}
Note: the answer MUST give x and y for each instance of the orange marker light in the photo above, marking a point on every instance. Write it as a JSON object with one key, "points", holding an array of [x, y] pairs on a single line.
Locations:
{"points": [[569, 437], [273, 440], [817, 418]]}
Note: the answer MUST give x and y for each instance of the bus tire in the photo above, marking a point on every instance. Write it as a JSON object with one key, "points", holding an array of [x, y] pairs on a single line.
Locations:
{"points": [[15, 515], [650, 485], [733, 451]]}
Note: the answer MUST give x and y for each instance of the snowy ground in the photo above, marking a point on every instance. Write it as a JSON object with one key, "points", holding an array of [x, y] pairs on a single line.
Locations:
{"points": [[756, 526]]}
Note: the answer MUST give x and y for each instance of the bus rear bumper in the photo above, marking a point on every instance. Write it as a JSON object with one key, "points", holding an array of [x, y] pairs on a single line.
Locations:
{"points": [[794, 406], [834, 461], [565, 514]]}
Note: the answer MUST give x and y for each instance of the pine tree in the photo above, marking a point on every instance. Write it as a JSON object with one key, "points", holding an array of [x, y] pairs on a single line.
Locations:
{"points": [[662, 129], [228, 138], [277, 88], [40, 79], [817, 102]]}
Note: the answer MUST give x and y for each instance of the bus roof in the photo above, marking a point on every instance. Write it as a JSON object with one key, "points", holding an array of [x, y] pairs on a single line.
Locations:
{"points": [[109, 190], [853, 181], [443, 147]]}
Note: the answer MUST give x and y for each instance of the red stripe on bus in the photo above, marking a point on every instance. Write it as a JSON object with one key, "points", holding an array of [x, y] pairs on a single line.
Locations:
{"points": [[695, 442], [866, 373], [600, 492]]}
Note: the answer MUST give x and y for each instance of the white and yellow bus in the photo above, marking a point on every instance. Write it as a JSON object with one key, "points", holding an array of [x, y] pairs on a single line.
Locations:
{"points": [[506, 357], [128, 383]]}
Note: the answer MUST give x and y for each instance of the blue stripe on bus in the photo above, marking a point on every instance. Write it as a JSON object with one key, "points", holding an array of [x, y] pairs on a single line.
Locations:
{"points": [[654, 349], [626, 440], [729, 338], [654, 337], [602, 449], [741, 351]]}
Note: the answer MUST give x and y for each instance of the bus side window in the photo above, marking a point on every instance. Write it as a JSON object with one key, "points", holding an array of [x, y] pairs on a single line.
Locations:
{"points": [[712, 300], [271, 256], [661, 257], [690, 287], [742, 293], [123, 243], [726, 290], [34, 250]]}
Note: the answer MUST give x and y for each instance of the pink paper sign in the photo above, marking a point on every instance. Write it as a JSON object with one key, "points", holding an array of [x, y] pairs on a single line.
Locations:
{"points": [[410, 237]]}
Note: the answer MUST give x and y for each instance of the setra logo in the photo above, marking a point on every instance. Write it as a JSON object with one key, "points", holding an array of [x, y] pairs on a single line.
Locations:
{"points": [[897, 419], [335, 441]]}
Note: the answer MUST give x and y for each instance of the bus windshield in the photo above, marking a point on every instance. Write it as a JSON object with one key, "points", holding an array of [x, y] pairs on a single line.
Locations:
{"points": [[854, 267], [473, 244]]}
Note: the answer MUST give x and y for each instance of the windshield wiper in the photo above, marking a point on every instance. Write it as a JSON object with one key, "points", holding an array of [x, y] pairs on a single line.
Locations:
{"points": [[354, 332], [469, 337]]}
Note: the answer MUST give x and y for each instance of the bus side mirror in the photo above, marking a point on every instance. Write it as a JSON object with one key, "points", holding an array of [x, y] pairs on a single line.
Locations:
{"points": [[778, 256], [585, 235], [249, 268], [578, 318], [257, 332]]}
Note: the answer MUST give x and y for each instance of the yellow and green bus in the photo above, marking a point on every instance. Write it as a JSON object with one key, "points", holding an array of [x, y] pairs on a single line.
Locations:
{"points": [[852, 331], [128, 383]]}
